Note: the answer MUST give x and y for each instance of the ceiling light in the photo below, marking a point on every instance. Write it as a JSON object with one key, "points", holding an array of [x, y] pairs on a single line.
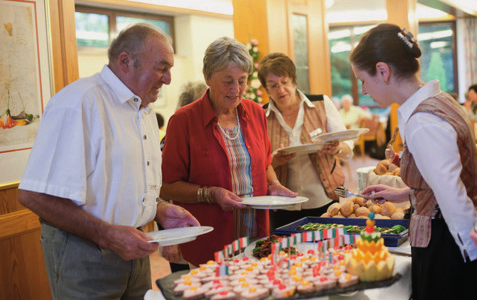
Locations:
{"points": [[435, 45], [224, 7]]}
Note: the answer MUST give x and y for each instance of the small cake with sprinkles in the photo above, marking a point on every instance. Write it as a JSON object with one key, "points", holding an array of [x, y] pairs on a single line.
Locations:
{"points": [[371, 260], [224, 295], [347, 280], [254, 293], [305, 287], [194, 292]]}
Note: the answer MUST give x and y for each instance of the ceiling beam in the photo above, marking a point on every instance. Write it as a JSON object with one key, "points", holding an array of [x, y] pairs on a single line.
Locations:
{"points": [[445, 6]]}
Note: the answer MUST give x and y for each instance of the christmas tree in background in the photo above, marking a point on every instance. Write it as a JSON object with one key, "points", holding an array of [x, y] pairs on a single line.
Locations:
{"points": [[253, 91]]}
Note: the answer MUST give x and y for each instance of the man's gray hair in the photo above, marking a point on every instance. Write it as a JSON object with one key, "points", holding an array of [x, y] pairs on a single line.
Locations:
{"points": [[133, 38], [225, 52]]}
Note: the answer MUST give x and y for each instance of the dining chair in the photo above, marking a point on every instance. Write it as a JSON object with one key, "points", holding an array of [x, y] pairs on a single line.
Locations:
{"points": [[376, 133]]}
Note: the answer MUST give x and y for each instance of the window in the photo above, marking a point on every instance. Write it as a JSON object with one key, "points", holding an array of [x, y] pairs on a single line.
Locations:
{"points": [[96, 27], [300, 40], [342, 40], [438, 60], [437, 42]]}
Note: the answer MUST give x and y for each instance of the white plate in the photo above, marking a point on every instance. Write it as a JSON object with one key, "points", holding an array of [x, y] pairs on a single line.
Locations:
{"points": [[174, 236], [340, 136], [272, 202], [248, 252], [303, 149]]}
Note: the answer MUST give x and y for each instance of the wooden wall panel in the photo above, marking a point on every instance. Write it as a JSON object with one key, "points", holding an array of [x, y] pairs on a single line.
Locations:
{"points": [[8, 199], [269, 21], [63, 42], [402, 13], [23, 274], [278, 35]]}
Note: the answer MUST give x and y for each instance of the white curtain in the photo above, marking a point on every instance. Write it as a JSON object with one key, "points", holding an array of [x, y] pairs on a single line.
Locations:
{"points": [[470, 44]]}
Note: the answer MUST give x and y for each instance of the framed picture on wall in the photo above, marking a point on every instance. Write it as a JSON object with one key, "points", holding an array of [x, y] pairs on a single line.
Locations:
{"points": [[25, 80]]}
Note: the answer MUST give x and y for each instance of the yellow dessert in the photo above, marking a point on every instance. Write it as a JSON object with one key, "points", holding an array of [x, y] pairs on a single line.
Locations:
{"points": [[371, 260]]}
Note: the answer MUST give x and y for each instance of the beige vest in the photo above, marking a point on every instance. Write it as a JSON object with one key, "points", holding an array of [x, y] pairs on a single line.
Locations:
{"points": [[315, 117], [424, 201]]}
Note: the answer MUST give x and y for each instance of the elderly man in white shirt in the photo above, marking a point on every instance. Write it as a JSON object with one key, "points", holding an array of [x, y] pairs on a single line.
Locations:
{"points": [[94, 173]]}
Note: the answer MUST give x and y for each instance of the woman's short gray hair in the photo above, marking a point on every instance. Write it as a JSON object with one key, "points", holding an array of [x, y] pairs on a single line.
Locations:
{"points": [[225, 52]]}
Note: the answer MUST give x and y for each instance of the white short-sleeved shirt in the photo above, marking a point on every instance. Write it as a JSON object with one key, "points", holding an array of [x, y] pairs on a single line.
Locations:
{"points": [[98, 148]]}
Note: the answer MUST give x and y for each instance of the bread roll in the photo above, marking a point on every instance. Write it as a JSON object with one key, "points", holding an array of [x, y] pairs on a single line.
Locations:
{"points": [[361, 201], [399, 210], [397, 215], [333, 209], [392, 167], [382, 167], [388, 209], [362, 212], [369, 203], [339, 215], [376, 208], [396, 172], [353, 215], [347, 208], [326, 215]]}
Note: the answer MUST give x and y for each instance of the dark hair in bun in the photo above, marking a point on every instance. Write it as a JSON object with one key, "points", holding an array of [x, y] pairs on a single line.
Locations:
{"points": [[389, 44]]}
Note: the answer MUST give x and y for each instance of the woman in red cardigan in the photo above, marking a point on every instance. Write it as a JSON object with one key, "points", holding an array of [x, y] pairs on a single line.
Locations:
{"points": [[216, 151]]}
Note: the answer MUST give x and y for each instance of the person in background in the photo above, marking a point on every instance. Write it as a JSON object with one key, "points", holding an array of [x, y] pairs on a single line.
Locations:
{"points": [[160, 122], [352, 115], [438, 163], [217, 151], [94, 173], [292, 120], [191, 92], [473, 233], [470, 104]]}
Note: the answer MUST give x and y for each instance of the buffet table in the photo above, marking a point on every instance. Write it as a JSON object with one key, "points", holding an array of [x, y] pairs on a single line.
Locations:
{"points": [[400, 290]]}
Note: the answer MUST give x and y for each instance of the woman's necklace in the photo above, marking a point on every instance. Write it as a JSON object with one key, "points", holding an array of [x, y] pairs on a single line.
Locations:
{"points": [[238, 131]]}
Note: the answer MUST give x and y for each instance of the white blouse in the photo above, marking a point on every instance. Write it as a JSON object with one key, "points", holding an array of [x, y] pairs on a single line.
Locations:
{"points": [[432, 142], [302, 176]]}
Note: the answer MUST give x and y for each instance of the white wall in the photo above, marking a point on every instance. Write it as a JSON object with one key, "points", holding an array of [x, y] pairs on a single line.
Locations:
{"points": [[192, 36]]}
